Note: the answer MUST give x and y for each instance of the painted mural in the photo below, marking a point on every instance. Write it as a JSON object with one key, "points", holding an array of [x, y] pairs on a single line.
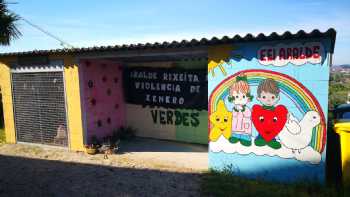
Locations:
{"points": [[164, 99], [268, 109], [166, 87]]}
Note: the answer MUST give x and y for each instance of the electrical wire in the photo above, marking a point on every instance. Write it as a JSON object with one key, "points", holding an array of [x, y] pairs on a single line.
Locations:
{"points": [[62, 43]]}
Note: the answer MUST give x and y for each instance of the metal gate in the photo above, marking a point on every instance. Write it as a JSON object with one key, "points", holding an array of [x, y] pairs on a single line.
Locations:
{"points": [[39, 107]]}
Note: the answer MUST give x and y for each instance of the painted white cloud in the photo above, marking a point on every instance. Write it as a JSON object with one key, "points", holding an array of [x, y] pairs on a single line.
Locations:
{"points": [[295, 53], [308, 154]]}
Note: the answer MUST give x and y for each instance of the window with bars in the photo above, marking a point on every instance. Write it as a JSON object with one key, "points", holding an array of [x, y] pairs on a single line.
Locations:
{"points": [[39, 106]]}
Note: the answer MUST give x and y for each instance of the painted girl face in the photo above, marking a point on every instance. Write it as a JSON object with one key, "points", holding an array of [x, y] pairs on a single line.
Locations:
{"points": [[269, 99], [239, 98]]}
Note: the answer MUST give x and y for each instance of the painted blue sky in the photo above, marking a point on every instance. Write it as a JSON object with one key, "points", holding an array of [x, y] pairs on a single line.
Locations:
{"points": [[84, 23]]}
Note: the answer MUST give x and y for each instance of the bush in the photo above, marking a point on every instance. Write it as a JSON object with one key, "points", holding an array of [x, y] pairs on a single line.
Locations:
{"points": [[95, 142], [339, 88]]}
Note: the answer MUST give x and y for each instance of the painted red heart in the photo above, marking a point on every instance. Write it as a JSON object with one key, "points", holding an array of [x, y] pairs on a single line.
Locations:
{"points": [[269, 123]]}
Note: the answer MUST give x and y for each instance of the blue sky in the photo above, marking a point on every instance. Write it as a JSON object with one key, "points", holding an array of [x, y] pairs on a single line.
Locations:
{"points": [[84, 23]]}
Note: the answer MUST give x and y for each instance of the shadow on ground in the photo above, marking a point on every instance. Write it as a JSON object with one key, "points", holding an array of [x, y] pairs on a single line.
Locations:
{"points": [[35, 177]]}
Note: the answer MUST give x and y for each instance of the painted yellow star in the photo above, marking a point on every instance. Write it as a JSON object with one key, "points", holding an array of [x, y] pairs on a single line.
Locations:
{"points": [[221, 121]]}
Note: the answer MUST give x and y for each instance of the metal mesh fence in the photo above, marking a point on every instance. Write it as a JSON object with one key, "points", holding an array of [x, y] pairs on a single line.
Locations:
{"points": [[39, 106]]}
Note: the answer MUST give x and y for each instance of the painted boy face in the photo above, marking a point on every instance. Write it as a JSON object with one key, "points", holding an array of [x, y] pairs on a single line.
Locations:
{"points": [[240, 98], [269, 99]]}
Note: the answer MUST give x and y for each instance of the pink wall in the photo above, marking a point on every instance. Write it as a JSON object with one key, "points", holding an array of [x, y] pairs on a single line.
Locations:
{"points": [[102, 93]]}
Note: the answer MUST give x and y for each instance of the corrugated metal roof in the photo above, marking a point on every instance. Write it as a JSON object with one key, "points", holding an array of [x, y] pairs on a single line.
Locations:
{"points": [[330, 33]]}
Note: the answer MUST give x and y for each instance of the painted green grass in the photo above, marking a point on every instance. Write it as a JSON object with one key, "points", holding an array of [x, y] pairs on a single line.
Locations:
{"points": [[224, 183]]}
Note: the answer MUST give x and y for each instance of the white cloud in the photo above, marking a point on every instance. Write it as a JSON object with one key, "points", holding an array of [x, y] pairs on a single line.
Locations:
{"points": [[223, 145]]}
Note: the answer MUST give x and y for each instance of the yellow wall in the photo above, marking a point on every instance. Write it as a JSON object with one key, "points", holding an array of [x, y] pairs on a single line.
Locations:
{"points": [[74, 116], [5, 84]]}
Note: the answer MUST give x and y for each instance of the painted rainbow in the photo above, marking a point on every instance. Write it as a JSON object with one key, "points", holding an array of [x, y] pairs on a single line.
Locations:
{"points": [[299, 94]]}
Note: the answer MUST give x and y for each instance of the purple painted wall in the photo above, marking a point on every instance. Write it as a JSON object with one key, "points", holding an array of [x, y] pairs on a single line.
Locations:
{"points": [[102, 93]]}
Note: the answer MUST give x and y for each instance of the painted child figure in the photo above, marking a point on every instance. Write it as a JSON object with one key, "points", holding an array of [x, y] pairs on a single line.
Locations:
{"points": [[241, 114], [268, 119]]}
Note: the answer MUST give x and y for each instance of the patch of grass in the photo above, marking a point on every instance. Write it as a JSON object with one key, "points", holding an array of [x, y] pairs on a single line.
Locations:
{"points": [[2, 136], [216, 183]]}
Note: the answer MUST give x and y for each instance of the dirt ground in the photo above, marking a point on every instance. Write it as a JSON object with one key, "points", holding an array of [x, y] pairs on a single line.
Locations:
{"points": [[143, 167]]}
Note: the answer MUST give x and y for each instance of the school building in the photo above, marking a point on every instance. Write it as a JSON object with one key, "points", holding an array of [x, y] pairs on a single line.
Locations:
{"points": [[63, 97]]}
